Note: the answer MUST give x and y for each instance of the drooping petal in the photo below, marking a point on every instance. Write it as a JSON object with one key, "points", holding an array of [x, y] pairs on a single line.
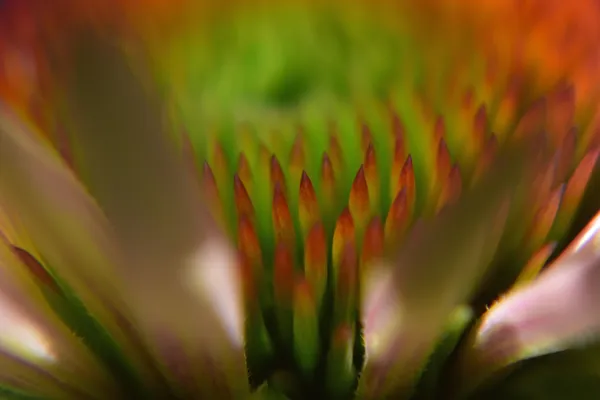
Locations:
{"points": [[407, 301], [555, 312], [181, 273]]}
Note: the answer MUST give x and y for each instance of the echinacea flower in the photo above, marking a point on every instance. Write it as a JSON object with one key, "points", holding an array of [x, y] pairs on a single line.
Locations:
{"points": [[303, 200]]}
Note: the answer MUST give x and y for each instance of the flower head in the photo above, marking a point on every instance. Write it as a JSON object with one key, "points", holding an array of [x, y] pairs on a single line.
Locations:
{"points": [[300, 199]]}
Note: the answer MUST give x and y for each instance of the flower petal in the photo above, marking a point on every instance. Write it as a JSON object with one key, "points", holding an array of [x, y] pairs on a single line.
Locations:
{"points": [[38, 353], [407, 302], [555, 312], [65, 226], [181, 273]]}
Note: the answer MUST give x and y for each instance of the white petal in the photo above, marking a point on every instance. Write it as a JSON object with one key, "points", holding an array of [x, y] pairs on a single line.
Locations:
{"points": [[213, 274], [558, 310], [179, 269], [408, 300]]}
